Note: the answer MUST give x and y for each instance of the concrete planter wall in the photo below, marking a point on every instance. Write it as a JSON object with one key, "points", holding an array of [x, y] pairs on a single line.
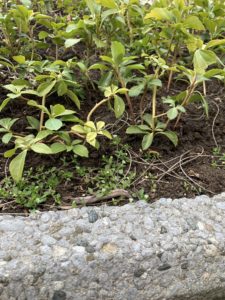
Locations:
{"points": [[166, 250]]}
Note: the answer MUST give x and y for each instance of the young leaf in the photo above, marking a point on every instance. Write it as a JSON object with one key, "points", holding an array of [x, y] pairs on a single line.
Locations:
{"points": [[41, 148], [78, 129], [33, 122], [9, 153], [100, 125], [4, 103], [16, 166], [193, 22], [214, 43], [106, 133], [119, 106], [57, 109], [147, 141], [136, 90], [7, 137], [53, 124], [57, 148], [62, 88], [149, 120], [80, 150], [172, 113], [118, 52], [71, 42], [171, 136], [203, 59], [42, 135], [20, 59], [136, 130], [107, 3], [160, 14], [45, 88], [73, 97], [91, 138]]}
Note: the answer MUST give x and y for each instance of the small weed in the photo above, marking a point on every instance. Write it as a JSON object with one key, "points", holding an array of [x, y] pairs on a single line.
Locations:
{"points": [[113, 173], [141, 195], [218, 158], [189, 187], [37, 186]]}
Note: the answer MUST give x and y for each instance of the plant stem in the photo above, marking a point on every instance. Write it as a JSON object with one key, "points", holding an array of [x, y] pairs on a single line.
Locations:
{"points": [[170, 45], [42, 113], [142, 102], [95, 107], [154, 94], [120, 79], [171, 71], [56, 52], [204, 88], [130, 27], [154, 106], [187, 97]]}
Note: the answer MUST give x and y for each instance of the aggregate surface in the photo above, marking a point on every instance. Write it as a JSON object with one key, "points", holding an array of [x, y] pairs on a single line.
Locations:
{"points": [[171, 249]]}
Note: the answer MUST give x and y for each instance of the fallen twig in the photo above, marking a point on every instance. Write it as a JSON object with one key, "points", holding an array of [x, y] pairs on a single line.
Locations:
{"points": [[93, 199]]}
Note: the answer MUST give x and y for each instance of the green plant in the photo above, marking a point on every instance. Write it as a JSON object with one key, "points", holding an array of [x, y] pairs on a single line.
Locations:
{"points": [[151, 129], [37, 187], [113, 172]]}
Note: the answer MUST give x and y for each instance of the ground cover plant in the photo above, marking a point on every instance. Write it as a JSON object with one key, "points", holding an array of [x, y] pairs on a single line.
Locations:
{"points": [[110, 101]]}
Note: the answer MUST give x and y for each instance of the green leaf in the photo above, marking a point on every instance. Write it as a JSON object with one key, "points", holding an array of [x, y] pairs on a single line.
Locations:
{"points": [[35, 104], [149, 120], [53, 124], [100, 125], [135, 129], [45, 88], [7, 123], [16, 166], [7, 137], [160, 14], [136, 90], [57, 109], [119, 106], [41, 148], [33, 122], [203, 59], [43, 34], [4, 103], [147, 141], [62, 88], [106, 133], [135, 67], [71, 42], [172, 113], [118, 52], [73, 97], [107, 59], [91, 125], [172, 136], [57, 148], [91, 138], [98, 66], [80, 150], [20, 59], [10, 153], [193, 22], [197, 96], [214, 43], [42, 135], [78, 129], [107, 3]]}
